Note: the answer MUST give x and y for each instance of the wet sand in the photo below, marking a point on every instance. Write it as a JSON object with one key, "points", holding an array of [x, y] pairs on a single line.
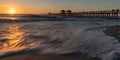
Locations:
{"points": [[33, 56]]}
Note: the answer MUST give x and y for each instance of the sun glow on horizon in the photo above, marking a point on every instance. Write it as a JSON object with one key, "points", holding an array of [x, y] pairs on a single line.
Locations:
{"points": [[12, 11]]}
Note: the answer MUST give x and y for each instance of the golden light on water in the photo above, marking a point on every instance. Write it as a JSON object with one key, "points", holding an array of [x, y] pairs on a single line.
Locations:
{"points": [[14, 35], [12, 11]]}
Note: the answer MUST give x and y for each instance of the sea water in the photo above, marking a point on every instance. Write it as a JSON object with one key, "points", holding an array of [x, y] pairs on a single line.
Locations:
{"points": [[83, 36]]}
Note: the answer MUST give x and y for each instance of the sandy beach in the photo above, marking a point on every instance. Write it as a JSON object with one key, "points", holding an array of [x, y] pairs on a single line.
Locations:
{"points": [[33, 56]]}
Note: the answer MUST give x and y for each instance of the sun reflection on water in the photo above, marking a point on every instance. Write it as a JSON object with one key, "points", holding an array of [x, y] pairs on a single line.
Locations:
{"points": [[12, 18], [14, 35]]}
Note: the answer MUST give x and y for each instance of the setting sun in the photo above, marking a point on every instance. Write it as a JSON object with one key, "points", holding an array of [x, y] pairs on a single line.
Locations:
{"points": [[12, 11]]}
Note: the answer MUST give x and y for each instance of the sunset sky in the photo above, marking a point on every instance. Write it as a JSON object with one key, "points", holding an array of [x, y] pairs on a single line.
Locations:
{"points": [[44, 6]]}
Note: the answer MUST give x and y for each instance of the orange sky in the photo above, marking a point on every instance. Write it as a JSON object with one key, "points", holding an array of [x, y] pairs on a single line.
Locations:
{"points": [[45, 6], [22, 10]]}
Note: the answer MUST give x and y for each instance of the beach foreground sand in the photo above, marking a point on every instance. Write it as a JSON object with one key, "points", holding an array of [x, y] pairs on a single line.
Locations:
{"points": [[33, 56]]}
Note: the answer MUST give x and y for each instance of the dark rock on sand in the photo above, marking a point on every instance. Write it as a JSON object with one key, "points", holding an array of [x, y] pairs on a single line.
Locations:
{"points": [[113, 31]]}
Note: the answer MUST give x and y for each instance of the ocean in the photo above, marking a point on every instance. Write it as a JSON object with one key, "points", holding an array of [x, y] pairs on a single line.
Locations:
{"points": [[58, 36]]}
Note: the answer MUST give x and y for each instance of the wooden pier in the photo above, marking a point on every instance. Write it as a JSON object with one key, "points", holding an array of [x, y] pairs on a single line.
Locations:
{"points": [[109, 14]]}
